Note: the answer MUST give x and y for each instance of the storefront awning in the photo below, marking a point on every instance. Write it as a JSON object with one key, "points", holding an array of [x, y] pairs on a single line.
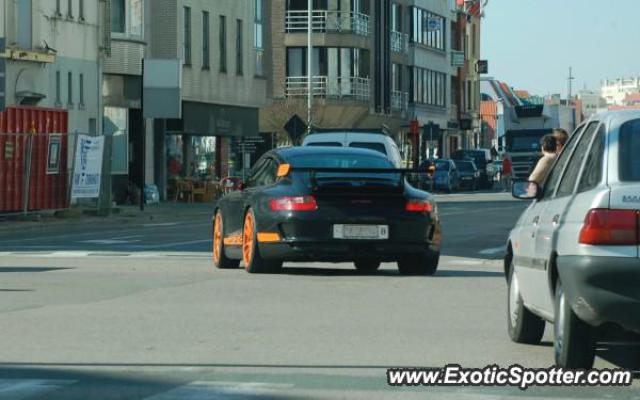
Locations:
{"points": [[202, 119]]}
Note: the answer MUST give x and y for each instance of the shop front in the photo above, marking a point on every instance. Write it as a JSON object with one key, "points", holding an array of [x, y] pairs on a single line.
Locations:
{"points": [[210, 143]]}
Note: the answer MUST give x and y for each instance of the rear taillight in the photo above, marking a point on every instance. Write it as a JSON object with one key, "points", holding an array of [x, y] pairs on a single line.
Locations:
{"points": [[419, 206], [610, 227], [294, 203]]}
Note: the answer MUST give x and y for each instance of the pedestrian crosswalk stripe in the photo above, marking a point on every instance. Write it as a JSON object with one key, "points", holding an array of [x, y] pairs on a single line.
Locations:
{"points": [[20, 389]]}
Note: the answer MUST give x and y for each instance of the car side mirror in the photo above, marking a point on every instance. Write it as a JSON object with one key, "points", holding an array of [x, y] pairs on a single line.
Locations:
{"points": [[526, 190]]}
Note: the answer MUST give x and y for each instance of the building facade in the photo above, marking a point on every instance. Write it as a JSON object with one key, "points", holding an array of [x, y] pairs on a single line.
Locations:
{"points": [[222, 48], [353, 62], [50, 57], [614, 91]]}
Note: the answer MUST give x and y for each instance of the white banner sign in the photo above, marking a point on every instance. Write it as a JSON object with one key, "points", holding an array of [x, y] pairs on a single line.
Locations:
{"points": [[88, 167]]}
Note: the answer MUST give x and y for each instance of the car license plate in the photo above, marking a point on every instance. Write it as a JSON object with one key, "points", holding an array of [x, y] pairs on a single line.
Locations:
{"points": [[361, 232]]}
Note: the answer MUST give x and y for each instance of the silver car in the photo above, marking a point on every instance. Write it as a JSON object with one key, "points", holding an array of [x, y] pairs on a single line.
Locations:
{"points": [[573, 257]]}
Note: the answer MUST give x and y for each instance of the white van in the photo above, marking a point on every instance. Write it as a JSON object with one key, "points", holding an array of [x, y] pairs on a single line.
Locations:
{"points": [[365, 140]]}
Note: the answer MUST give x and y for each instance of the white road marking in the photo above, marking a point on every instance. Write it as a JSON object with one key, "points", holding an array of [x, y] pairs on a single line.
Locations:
{"points": [[80, 254], [108, 241], [220, 390], [160, 224], [128, 237], [18, 389], [174, 244], [492, 251]]}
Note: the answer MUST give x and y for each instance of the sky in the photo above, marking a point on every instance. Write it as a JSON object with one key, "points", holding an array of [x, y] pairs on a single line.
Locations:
{"points": [[530, 44]]}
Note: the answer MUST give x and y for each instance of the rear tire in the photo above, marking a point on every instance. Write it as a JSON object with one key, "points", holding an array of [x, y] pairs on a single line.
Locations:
{"points": [[220, 260], [367, 266], [421, 264], [574, 341], [253, 261], [523, 325]]}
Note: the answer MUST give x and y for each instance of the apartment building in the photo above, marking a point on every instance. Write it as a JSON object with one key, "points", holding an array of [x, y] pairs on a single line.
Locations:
{"points": [[222, 47], [352, 62], [374, 64]]}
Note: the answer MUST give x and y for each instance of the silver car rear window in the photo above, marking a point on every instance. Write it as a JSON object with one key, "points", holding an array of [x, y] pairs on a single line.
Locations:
{"points": [[370, 145], [630, 151]]}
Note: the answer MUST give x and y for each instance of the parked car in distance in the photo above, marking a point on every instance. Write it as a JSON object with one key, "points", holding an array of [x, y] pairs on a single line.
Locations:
{"points": [[468, 173], [365, 140], [573, 257], [446, 176], [482, 159]]}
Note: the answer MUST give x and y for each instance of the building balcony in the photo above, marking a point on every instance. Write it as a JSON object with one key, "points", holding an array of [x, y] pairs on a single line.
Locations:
{"points": [[399, 42], [327, 21], [399, 100], [345, 88]]}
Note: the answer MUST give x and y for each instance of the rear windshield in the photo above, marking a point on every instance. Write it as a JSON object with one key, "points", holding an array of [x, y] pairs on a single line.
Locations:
{"points": [[464, 166], [325, 144], [478, 157], [339, 161], [629, 150], [370, 145]]}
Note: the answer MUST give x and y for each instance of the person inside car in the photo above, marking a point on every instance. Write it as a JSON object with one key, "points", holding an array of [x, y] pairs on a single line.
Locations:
{"points": [[549, 154], [561, 138]]}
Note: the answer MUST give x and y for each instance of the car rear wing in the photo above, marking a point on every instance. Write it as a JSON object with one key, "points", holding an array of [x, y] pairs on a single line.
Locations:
{"points": [[286, 169]]}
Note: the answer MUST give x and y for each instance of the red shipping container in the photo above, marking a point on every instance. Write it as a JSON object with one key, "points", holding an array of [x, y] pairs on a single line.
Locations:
{"points": [[38, 135]]}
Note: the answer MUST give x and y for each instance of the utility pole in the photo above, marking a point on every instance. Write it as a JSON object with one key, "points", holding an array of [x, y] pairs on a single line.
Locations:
{"points": [[309, 62], [570, 79]]}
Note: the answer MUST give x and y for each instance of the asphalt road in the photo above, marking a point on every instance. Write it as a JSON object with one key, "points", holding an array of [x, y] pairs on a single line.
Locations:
{"points": [[134, 310]]}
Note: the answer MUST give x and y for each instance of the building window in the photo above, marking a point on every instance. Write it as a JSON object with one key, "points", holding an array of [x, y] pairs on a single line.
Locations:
{"points": [[396, 17], [428, 87], [258, 38], [239, 47], [58, 8], [427, 28], [205, 39], [81, 10], [69, 8], [24, 24], [127, 17], [81, 89], [118, 16], [70, 88], [58, 96], [223, 43], [187, 35]]}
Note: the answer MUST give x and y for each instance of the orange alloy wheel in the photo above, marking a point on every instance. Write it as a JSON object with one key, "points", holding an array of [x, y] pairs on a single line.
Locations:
{"points": [[247, 239], [217, 237]]}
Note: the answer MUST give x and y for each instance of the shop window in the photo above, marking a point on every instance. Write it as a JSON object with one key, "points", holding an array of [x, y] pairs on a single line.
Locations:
{"points": [[116, 124]]}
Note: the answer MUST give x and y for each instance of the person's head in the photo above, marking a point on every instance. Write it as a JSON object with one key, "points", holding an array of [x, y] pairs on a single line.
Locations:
{"points": [[548, 144], [561, 137]]}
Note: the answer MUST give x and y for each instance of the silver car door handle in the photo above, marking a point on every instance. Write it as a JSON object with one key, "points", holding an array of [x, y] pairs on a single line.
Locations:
{"points": [[556, 219], [536, 220]]}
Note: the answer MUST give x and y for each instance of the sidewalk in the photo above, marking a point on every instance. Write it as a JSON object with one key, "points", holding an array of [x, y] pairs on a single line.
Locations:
{"points": [[76, 216]]}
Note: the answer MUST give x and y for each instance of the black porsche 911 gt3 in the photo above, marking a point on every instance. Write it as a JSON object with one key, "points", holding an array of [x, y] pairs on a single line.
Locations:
{"points": [[327, 204]]}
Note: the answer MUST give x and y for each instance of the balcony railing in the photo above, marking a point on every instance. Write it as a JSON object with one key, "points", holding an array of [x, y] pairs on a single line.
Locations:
{"points": [[350, 88], [399, 100], [399, 42], [328, 21]]}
